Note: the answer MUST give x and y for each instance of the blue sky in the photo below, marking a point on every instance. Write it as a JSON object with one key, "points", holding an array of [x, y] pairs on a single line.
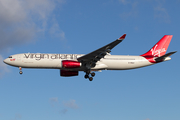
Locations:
{"points": [[67, 26]]}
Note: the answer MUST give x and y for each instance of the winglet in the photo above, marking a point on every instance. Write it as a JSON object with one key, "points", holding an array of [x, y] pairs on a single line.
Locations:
{"points": [[122, 37]]}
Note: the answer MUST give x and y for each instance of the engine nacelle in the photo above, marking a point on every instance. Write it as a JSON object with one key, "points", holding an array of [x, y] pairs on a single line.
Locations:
{"points": [[70, 64], [66, 73]]}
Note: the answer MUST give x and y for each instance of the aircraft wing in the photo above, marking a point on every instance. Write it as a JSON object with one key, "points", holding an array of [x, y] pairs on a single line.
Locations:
{"points": [[96, 55]]}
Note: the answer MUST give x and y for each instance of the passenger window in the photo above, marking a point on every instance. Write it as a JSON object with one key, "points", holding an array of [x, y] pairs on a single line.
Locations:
{"points": [[10, 57]]}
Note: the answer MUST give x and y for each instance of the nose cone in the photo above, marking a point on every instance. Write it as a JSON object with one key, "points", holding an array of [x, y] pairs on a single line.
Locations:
{"points": [[6, 61]]}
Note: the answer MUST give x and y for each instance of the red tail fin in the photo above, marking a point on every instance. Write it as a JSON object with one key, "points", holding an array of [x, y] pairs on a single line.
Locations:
{"points": [[159, 48]]}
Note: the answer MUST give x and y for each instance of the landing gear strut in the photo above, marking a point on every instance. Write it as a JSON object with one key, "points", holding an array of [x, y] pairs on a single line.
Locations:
{"points": [[87, 75], [20, 72]]}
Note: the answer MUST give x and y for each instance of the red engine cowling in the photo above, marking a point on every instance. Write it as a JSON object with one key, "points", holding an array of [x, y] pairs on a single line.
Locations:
{"points": [[70, 64], [66, 73]]}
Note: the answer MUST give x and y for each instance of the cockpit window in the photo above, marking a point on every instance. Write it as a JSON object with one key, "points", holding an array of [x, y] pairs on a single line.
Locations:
{"points": [[10, 57]]}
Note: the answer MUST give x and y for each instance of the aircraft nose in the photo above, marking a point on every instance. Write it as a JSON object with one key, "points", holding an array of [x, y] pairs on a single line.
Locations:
{"points": [[5, 61]]}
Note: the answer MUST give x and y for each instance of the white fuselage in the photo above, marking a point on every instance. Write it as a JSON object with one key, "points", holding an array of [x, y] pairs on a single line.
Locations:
{"points": [[100, 59], [54, 61]]}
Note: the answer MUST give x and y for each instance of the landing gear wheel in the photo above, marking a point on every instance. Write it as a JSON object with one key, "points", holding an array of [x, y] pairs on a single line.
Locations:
{"points": [[93, 74], [89, 75], [90, 79], [20, 72], [86, 76]]}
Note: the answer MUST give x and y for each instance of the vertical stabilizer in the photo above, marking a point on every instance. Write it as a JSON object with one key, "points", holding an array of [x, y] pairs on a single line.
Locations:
{"points": [[160, 48]]}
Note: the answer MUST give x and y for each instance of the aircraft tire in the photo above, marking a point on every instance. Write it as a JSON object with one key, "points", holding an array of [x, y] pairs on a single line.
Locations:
{"points": [[93, 74], [90, 79], [86, 76]]}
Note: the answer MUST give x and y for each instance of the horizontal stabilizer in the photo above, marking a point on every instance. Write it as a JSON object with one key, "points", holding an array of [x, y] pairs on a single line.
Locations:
{"points": [[162, 58]]}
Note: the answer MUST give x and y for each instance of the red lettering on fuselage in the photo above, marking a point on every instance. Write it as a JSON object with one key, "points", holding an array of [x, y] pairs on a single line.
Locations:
{"points": [[40, 56]]}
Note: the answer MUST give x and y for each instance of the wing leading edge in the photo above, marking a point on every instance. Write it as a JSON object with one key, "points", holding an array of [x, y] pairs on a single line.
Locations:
{"points": [[96, 55]]}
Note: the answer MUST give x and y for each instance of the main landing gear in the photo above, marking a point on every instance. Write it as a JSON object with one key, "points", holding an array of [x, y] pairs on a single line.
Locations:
{"points": [[87, 75], [20, 72]]}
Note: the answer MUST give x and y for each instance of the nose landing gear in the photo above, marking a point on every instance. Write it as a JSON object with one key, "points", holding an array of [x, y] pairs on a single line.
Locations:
{"points": [[20, 72]]}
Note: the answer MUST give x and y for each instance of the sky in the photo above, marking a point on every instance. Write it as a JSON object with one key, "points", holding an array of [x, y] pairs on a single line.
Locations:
{"points": [[80, 27]]}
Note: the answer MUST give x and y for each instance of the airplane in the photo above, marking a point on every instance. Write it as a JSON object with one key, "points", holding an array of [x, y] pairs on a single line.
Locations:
{"points": [[100, 59]]}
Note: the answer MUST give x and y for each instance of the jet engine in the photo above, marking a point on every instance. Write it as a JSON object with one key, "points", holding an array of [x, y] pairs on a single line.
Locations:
{"points": [[66, 73], [70, 64]]}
